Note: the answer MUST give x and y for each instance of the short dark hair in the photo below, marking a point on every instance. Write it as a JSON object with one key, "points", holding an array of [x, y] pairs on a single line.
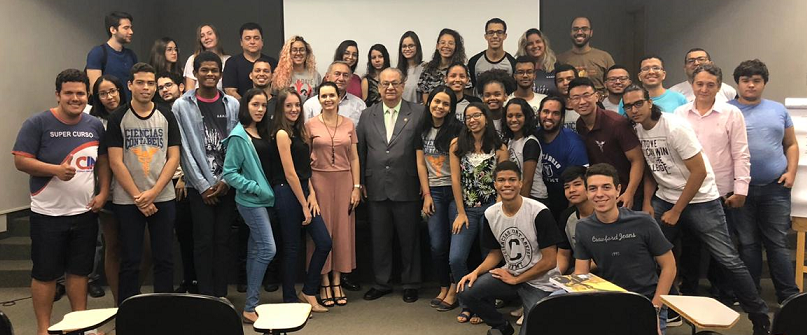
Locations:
{"points": [[142, 67], [205, 56], [243, 109], [496, 76], [507, 166], [696, 49], [263, 60], [614, 67], [526, 59], [602, 169], [112, 20], [72, 76], [249, 26], [711, 69], [590, 23], [560, 100], [651, 56], [573, 172], [749, 68], [581, 81], [176, 78], [495, 20], [566, 67], [655, 111]]}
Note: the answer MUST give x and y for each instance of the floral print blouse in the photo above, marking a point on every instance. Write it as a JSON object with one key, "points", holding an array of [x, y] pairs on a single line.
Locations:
{"points": [[476, 177]]}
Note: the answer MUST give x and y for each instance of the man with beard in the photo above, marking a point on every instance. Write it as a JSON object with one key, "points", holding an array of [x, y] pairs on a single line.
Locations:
{"points": [[651, 75], [261, 77], [696, 57], [590, 62], [112, 57], [350, 106], [169, 87], [562, 148], [235, 78], [494, 57], [616, 79], [525, 79]]}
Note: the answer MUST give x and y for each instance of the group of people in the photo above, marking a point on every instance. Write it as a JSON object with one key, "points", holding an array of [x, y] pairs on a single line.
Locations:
{"points": [[491, 152]]}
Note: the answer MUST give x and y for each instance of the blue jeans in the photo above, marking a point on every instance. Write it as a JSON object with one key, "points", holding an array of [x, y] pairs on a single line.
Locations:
{"points": [[462, 242], [440, 232], [707, 221], [290, 214], [260, 251], [765, 220], [480, 298]]}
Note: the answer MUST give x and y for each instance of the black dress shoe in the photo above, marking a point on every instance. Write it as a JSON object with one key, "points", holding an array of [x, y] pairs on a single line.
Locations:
{"points": [[95, 290], [374, 294], [59, 292], [241, 288], [410, 295], [271, 287], [349, 284]]}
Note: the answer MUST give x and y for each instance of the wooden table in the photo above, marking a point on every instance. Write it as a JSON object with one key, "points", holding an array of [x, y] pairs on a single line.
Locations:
{"points": [[281, 318], [702, 312], [81, 321], [800, 226]]}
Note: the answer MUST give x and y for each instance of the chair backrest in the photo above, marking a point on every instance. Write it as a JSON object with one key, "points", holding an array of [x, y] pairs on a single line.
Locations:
{"points": [[5, 325], [174, 313], [790, 319], [593, 313]]}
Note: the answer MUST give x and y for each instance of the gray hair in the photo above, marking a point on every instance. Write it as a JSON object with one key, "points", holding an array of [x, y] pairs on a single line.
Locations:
{"points": [[339, 62]]}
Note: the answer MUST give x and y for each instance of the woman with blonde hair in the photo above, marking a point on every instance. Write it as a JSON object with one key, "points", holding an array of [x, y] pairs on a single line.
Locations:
{"points": [[297, 68], [534, 43], [207, 39]]}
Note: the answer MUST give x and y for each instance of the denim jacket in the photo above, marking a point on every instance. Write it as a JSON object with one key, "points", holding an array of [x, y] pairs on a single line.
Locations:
{"points": [[193, 157]]}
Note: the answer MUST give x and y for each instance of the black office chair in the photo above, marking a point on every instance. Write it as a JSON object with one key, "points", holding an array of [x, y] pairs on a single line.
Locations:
{"points": [[593, 313], [5, 325], [174, 313], [790, 319]]}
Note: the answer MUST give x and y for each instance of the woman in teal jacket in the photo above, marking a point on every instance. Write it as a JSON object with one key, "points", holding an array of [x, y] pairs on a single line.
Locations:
{"points": [[247, 159]]}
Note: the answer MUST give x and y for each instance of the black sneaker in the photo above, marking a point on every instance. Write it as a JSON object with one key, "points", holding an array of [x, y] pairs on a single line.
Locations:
{"points": [[271, 287], [60, 290], [673, 319], [506, 329], [241, 288], [762, 324], [95, 290]]}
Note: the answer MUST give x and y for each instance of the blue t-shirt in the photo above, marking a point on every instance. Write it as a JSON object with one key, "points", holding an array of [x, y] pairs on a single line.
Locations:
{"points": [[118, 64], [49, 140], [765, 124], [668, 102], [566, 150]]}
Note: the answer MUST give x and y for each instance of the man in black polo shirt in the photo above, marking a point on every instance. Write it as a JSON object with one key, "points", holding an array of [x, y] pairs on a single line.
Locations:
{"points": [[235, 78], [610, 139]]}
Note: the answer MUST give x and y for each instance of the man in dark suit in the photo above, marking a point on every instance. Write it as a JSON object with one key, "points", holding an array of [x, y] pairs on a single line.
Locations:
{"points": [[387, 136]]}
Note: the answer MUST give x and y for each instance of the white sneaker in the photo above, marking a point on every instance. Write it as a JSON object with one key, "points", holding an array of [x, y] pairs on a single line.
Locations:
{"points": [[517, 312], [520, 320]]}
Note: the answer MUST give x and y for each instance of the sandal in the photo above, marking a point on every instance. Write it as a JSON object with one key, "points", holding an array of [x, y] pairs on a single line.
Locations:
{"points": [[475, 320], [464, 316], [445, 307], [327, 300], [340, 297]]}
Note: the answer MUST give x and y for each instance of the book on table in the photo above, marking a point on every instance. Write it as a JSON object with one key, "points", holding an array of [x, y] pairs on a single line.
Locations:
{"points": [[584, 283]]}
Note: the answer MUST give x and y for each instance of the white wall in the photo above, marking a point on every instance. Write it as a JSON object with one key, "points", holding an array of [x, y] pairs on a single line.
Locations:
{"points": [[326, 23], [41, 38]]}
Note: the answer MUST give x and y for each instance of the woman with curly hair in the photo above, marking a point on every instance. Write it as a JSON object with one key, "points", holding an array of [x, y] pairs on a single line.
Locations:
{"points": [[297, 68], [449, 49], [534, 43]]}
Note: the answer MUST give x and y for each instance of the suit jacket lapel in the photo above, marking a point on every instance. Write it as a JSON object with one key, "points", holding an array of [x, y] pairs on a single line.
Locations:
{"points": [[378, 121], [404, 116]]}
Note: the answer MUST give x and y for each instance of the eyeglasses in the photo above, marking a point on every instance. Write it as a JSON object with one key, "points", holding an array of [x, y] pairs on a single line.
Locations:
{"points": [[108, 94], [637, 104], [525, 73], [474, 116], [699, 60], [408, 46], [167, 86], [652, 68], [298, 50], [495, 32], [583, 29], [617, 79], [585, 96], [385, 84]]}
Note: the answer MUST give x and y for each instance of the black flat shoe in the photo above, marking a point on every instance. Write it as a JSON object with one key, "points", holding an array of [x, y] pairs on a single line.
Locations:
{"points": [[241, 288], [374, 294], [95, 290], [349, 284], [434, 303], [410, 295], [271, 287]]}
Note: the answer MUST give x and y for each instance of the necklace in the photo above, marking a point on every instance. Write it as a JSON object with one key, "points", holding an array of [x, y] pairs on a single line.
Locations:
{"points": [[328, 129]]}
